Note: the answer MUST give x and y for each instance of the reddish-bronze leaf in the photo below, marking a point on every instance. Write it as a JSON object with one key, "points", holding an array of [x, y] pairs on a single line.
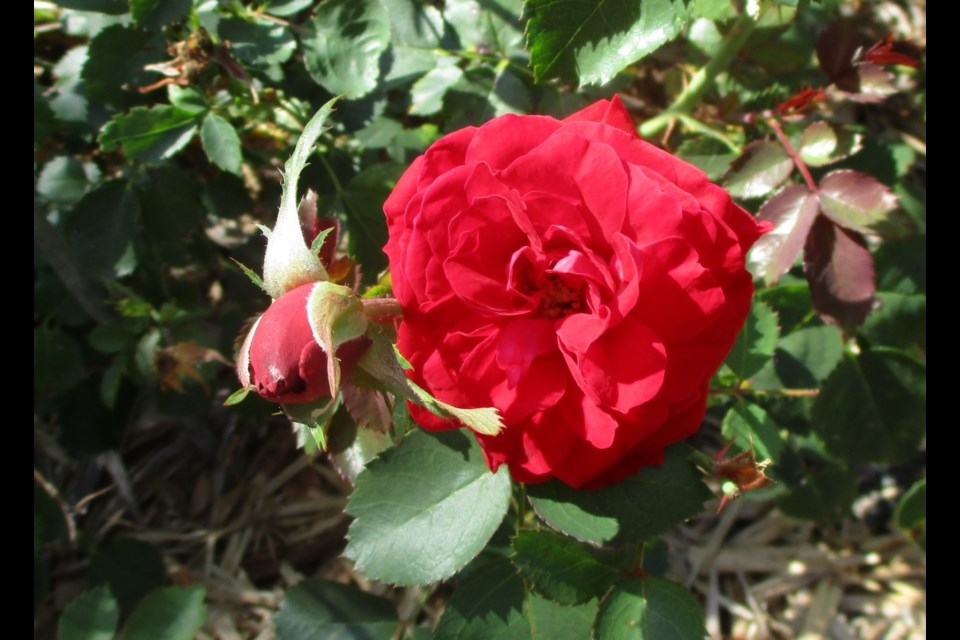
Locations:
{"points": [[887, 51], [836, 47], [760, 169], [855, 200], [840, 272], [867, 83], [791, 211]]}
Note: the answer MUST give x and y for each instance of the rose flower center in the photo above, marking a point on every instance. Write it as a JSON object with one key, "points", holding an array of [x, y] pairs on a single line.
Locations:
{"points": [[559, 299]]}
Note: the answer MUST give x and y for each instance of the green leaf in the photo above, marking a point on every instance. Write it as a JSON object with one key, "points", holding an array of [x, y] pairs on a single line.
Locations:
{"points": [[823, 143], [911, 514], [132, 569], [64, 179], [590, 42], [380, 362], [172, 213], [343, 43], [761, 168], [363, 200], [488, 603], [149, 134], [102, 227], [171, 613], [707, 154], [116, 58], [486, 25], [110, 383], [750, 425], [826, 494], [897, 320], [318, 608], [92, 616], [560, 568], [155, 14], [221, 143], [236, 397], [756, 342], [802, 360], [350, 447], [251, 275], [426, 95], [257, 42], [650, 609], [629, 511], [873, 408], [425, 508], [550, 620], [416, 35]]}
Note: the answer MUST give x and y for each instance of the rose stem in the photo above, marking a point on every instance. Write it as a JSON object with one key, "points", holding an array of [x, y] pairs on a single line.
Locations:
{"points": [[794, 155], [783, 393], [379, 309], [702, 79]]}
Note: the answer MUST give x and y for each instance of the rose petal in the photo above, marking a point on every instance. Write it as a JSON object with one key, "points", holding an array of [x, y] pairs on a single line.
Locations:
{"points": [[521, 341], [621, 369], [610, 112], [503, 140], [679, 298]]}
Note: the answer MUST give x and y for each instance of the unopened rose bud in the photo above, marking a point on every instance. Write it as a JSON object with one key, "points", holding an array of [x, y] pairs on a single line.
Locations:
{"points": [[281, 359]]}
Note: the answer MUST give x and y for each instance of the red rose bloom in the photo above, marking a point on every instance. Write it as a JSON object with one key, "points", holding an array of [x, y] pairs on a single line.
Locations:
{"points": [[575, 277]]}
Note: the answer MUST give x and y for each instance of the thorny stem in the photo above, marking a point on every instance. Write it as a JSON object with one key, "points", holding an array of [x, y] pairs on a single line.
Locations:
{"points": [[702, 79], [793, 153]]}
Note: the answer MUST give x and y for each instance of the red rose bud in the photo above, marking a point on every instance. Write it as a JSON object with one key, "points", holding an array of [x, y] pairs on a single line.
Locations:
{"points": [[883, 53], [282, 360], [578, 279]]}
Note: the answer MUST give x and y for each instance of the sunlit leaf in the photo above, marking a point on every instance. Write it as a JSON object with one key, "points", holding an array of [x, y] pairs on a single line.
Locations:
{"points": [[590, 42], [855, 200], [425, 508], [650, 609], [221, 143], [92, 616], [149, 134], [173, 613], [792, 211], [761, 168]]}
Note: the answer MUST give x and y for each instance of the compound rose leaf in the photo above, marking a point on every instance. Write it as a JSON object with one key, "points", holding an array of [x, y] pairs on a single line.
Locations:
{"points": [[855, 200], [629, 511], [650, 609], [840, 271], [873, 408], [590, 42], [92, 616], [318, 608], [425, 508], [755, 342], [549, 619], [343, 43], [823, 143], [560, 568], [761, 167], [792, 211]]}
